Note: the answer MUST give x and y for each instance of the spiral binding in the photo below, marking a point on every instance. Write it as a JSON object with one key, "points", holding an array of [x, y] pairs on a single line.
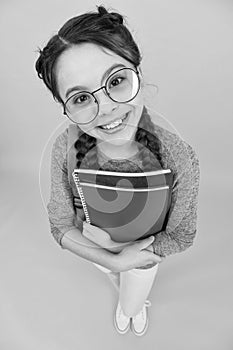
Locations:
{"points": [[80, 191]]}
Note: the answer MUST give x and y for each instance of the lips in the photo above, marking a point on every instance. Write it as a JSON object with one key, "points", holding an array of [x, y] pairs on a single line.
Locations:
{"points": [[113, 121], [117, 128]]}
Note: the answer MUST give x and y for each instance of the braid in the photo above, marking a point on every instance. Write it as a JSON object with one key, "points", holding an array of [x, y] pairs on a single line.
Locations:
{"points": [[86, 152], [148, 143]]}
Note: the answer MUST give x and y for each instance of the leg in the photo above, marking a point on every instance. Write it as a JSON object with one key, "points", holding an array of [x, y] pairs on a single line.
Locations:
{"points": [[135, 286], [113, 276]]}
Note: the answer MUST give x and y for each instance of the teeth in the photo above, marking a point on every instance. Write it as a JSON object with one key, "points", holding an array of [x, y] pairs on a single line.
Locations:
{"points": [[112, 125]]}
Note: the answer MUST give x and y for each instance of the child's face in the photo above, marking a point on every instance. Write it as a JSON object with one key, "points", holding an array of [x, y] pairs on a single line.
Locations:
{"points": [[85, 65]]}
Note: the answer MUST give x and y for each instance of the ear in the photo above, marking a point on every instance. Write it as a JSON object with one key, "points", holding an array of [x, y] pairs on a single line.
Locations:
{"points": [[141, 78]]}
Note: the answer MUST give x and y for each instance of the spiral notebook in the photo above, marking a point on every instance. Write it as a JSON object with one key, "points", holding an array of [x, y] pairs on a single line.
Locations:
{"points": [[129, 206]]}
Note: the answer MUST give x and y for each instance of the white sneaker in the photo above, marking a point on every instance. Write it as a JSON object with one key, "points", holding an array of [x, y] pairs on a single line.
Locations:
{"points": [[140, 322], [121, 321]]}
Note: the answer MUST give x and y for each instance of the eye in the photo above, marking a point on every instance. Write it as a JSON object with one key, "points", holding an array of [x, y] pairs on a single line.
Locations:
{"points": [[80, 99], [116, 81]]}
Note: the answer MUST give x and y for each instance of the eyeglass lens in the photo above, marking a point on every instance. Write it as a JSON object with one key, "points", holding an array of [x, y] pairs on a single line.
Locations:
{"points": [[121, 86]]}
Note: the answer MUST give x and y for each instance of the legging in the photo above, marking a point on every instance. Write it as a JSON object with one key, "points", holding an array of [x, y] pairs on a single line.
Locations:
{"points": [[135, 286]]}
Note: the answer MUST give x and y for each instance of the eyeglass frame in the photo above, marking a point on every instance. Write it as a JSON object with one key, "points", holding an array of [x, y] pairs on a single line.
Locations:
{"points": [[106, 92]]}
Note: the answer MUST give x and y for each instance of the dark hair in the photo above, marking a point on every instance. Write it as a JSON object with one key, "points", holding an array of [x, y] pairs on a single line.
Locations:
{"points": [[106, 30]]}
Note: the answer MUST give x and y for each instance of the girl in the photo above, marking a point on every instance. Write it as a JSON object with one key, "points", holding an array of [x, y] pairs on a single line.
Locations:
{"points": [[92, 67]]}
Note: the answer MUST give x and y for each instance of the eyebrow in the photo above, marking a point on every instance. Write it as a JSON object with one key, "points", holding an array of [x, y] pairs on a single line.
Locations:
{"points": [[80, 87]]}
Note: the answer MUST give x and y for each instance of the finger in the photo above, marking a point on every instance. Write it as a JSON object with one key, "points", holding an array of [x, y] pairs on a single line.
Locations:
{"points": [[149, 248], [98, 232], [86, 233], [156, 258], [145, 242], [91, 233], [86, 230], [91, 237], [86, 224], [148, 266], [77, 202]]}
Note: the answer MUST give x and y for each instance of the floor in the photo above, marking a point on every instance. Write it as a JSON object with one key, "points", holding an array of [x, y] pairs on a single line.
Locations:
{"points": [[51, 299]]}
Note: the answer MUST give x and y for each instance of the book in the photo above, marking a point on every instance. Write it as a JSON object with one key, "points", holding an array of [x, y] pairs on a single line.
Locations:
{"points": [[129, 206]]}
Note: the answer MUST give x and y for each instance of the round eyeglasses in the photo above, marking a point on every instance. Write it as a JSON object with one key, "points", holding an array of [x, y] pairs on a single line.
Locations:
{"points": [[121, 86]]}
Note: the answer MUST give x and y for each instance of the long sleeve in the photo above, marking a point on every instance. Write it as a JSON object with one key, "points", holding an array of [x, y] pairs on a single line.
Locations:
{"points": [[61, 212], [181, 227]]}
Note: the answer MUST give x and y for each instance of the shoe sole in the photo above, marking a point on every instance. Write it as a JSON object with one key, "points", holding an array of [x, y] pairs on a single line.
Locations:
{"points": [[141, 333], [118, 329]]}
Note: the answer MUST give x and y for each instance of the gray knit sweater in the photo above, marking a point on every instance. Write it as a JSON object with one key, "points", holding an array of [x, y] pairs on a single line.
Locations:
{"points": [[177, 155]]}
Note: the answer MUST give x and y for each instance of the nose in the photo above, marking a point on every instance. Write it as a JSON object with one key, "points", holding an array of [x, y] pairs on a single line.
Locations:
{"points": [[106, 105]]}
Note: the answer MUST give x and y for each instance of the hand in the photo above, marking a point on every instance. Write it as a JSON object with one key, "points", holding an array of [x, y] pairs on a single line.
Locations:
{"points": [[77, 202], [150, 249], [102, 238], [136, 256]]}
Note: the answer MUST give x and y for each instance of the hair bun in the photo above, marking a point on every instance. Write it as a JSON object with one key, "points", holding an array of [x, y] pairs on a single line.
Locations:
{"points": [[102, 10], [114, 17]]}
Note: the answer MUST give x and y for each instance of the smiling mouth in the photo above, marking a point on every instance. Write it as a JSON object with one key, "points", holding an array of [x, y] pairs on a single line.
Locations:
{"points": [[113, 125]]}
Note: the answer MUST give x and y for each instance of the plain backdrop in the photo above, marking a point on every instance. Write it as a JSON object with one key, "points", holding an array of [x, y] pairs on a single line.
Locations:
{"points": [[51, 299]]}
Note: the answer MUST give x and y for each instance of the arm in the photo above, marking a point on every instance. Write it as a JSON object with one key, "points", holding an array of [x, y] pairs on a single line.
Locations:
{"points": [[65, 225], [181, 226], [103, 239], [75, 242]]}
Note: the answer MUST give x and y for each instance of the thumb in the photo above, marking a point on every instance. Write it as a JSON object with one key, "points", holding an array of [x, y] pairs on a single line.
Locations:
{"points": [[146, 242]]}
